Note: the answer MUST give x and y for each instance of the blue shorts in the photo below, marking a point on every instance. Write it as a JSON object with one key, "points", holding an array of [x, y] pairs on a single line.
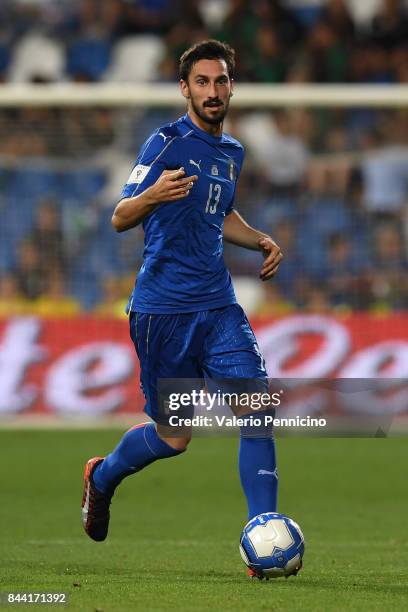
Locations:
{"points": [[214, 344]]}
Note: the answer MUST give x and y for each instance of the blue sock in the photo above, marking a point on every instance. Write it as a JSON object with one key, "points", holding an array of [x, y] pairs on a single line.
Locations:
{"points": [[259, 478], [139, 447]]}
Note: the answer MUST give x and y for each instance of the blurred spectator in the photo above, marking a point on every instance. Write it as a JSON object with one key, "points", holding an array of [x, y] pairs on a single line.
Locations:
{"points": [[273, 303], [39, 132], [180, 37], [91, 19], [255, 129], [280, 152], [276, 14], [47, 235], [167, 70], [5, 55], [267, 64], [307, 12], [360, 221], [324, 181], [390, 27], [399, 64], [389, 274], [293, 264], [22, 132], [327, 179], [115, 292], [300, 40], [344, 274], [328, 54], [54, 301], [316, 300], [286, 157], [238, 28], [336, 14], [300, 71], [30, 276], [153, 16], [80, 132], [385, 168], [11, 301], [262, 32]]}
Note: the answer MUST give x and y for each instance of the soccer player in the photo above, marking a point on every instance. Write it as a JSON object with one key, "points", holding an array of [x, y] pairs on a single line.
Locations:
{"points": [[185, 322]]}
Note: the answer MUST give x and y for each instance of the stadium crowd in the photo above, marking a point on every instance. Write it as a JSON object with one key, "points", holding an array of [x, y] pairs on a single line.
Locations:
{"points": [[331, 186], [277, 41]]}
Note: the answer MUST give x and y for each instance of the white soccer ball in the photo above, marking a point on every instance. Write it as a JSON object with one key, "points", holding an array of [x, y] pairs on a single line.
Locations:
{"points": [[272, 545]]}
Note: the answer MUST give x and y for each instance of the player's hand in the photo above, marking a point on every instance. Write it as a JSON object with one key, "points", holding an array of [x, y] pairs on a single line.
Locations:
{"points": [[273, 256], [172, 185]]}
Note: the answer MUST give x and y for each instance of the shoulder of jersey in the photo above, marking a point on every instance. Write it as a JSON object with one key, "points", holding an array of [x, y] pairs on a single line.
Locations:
{"points": [[168, 132], [233, 141], [159, 140]]}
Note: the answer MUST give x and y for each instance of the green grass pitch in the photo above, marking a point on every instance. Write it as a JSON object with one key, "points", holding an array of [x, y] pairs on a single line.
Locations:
{"points": [[173, 543]]}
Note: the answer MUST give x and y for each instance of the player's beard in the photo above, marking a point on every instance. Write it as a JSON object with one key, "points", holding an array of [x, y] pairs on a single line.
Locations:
{"points": [[213, 119]]}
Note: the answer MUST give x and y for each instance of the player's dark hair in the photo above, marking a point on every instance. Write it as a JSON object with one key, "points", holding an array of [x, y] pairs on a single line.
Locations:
{"points": [[207, 49]]}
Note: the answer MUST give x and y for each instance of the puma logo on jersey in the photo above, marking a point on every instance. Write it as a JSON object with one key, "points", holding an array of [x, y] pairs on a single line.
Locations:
{"points": [[195, 163], [264, 472], [163, 136]]}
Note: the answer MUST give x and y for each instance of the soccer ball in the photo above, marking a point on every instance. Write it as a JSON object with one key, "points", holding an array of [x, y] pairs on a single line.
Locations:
{"points": [[272, 545]]}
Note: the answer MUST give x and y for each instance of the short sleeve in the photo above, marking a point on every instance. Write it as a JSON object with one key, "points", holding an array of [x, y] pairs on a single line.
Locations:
{"points": [[230, 206], [237, 170], [156, 155]]}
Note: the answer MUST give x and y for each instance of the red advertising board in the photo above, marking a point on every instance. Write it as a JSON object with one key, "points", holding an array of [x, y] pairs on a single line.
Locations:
{"points": [[87, 365]]}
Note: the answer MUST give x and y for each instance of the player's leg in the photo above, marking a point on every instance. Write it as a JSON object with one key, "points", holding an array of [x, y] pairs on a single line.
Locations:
{"points": [[154, 337], [139, 447], [258, 471], [232, 353]]}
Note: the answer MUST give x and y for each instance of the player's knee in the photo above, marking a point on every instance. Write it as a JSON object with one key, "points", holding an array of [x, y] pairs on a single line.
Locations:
{"points": [[176, 438], [257, 424], [179, 444]]}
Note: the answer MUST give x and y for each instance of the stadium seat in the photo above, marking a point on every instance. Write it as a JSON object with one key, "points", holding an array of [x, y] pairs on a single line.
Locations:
{"points": [[81, 184], [332, 216], [135, 59], [37, 56], [89, 57], [4, 58], [83, 285], [21, 215], [23, 189], [306, 13], [7, 245], [32, 183], [107, 244], [98, 255]]}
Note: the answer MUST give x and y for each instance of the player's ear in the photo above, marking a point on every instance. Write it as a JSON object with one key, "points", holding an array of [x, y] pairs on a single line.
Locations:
{"points": [[232, 87], [184, 88]]}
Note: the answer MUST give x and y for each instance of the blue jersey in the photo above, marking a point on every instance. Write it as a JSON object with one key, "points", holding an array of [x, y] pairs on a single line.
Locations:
{"points": [[183, 266]]}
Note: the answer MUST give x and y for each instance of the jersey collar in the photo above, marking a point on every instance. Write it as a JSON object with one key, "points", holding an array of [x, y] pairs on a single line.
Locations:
{"points": [[204, 135]]}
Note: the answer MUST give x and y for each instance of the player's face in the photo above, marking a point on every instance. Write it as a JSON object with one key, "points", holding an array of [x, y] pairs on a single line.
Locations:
{"points": [[208, 90]]}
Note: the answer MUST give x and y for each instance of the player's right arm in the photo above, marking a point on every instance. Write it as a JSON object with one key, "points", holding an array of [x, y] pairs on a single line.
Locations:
{"points": [[170, 186]]}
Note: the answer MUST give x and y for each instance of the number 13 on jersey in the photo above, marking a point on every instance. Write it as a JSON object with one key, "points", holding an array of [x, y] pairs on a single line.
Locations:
{"points": [[214, 195]]}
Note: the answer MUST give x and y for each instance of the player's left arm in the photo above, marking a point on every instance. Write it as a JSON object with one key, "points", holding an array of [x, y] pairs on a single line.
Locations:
{"points": [[237, 231]]}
